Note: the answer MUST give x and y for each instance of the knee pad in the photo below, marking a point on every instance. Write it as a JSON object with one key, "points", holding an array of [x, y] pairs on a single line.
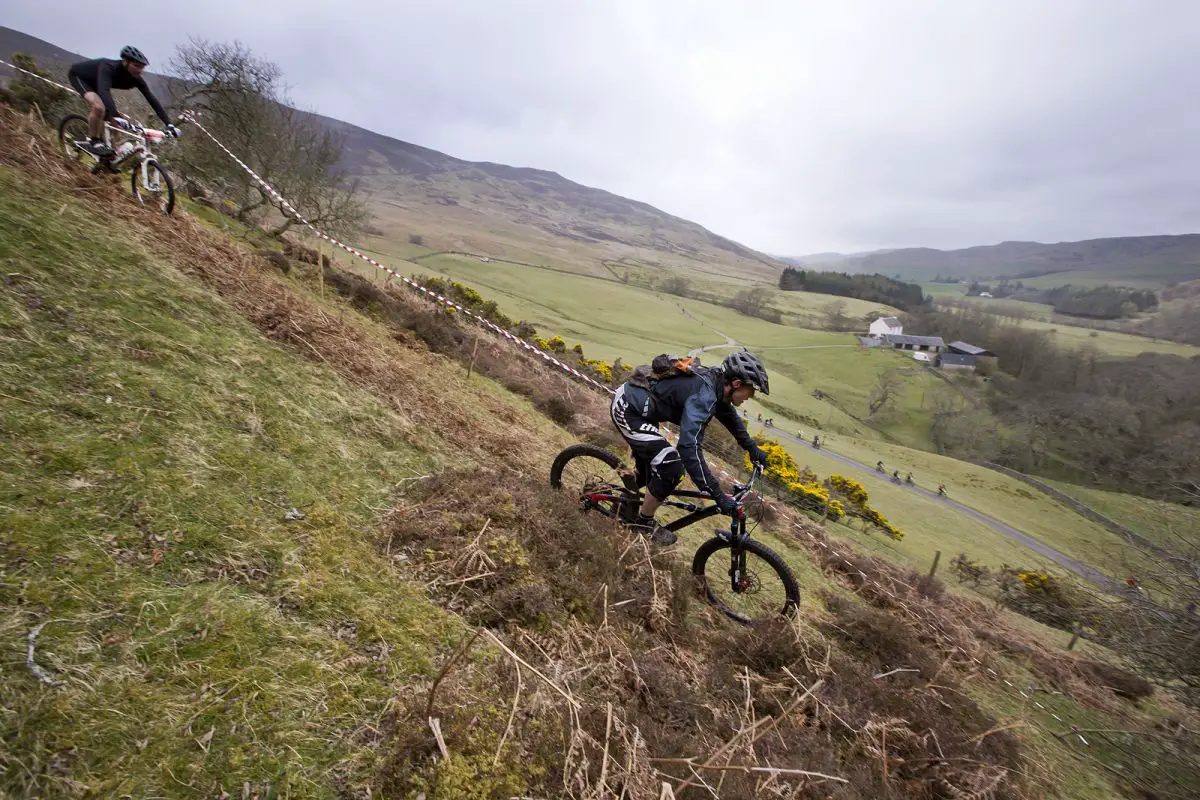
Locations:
{"points": [[666, 471]]}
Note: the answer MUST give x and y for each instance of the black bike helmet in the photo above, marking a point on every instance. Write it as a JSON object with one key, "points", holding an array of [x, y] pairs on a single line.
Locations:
{"points": [[746, 367], [131, 53]]}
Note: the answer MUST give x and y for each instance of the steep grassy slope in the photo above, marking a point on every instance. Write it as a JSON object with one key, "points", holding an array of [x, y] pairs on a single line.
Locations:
{"points": [[166, 399], [154, 443]]}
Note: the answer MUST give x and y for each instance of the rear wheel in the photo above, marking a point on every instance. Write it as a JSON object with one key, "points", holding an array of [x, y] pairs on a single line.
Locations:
{"points": [[766, 590], [71, 130], [589, 472], [156, 190]]}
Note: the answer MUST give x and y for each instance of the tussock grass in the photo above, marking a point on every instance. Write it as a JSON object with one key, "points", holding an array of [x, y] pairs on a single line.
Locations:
{"points": [[153, 443], [634, 656], [169, 398]]}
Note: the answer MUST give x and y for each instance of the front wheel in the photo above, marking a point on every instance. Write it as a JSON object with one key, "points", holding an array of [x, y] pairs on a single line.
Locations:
{"points": [[72, 132], [154, 188], [597, 478], [765, 589]]}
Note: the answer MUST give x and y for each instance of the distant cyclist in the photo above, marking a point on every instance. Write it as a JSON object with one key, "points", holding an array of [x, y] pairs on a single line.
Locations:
{"points": [[95, 80], [690, 398]]}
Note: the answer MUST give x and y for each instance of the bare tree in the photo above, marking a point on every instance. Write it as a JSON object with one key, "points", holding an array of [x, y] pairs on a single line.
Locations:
{"points": [[677, 285], [1158, 627], [750, 301], [241, 99], [887, 387], [835, 315], [942, 415]]}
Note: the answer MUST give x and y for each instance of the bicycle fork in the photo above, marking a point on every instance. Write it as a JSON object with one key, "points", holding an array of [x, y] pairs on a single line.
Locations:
{"points": [[739, 579]]}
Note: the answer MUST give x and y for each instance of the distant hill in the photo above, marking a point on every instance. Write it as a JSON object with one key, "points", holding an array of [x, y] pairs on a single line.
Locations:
{"points": [[1137, 260], [478, 205], [813, 259], [509, 212]]}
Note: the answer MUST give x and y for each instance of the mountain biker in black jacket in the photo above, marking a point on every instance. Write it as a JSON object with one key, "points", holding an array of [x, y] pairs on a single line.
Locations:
{"points": [[689, 400], [95, 80]]}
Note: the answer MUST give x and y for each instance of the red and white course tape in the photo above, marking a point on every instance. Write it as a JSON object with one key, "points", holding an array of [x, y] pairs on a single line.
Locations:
{"points": [[191, 119]]}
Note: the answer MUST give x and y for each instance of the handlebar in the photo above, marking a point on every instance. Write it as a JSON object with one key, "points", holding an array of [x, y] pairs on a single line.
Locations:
{"points": [[137, 129], [740, 491]]}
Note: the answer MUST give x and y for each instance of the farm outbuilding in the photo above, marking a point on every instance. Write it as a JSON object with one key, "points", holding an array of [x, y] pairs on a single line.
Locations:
{"points": [[968, 349], [929, 344], [956, 361]]}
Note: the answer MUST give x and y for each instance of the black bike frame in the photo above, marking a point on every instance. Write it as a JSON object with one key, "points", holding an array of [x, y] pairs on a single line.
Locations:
{"points": [[737, 536], [634, 498]]}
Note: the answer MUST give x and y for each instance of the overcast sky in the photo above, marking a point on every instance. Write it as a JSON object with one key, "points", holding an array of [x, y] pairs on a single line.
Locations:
{"points": [[792, 126]]}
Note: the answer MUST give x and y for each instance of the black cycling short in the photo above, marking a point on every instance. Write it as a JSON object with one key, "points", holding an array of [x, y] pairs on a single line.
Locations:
{"points": [[79, 84], [659, 467]]}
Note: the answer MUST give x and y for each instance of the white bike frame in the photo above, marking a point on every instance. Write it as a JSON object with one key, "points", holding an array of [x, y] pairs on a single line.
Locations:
{"points": [[142, 137]]}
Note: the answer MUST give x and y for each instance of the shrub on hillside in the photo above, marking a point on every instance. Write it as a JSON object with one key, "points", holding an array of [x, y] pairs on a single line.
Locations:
{"points": [[26, 93], [836, 498]]}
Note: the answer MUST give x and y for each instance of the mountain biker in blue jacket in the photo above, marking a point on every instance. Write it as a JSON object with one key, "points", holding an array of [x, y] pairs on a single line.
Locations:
{"points": [[689, 400], [95, 80]]}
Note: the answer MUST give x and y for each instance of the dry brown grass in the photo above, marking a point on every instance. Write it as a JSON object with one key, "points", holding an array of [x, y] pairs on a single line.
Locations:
{"points": [[607, 618], [592, 676]]}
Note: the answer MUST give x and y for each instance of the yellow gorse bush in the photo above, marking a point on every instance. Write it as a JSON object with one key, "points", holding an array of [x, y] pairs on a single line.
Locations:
{"points": [[838, 497], [1037, 582]]}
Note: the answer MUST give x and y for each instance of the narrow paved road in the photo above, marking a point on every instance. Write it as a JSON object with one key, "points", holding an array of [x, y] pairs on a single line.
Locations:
{"points": [[1091, 574], [732, 344], [804, 346]]}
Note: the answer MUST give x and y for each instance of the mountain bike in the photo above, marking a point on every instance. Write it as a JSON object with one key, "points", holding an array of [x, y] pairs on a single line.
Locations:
{"points": [[753, 585], [150, 183]]}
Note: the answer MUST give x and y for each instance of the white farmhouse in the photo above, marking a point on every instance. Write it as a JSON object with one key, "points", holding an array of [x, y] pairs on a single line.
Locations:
{"points": [[884, 326]]}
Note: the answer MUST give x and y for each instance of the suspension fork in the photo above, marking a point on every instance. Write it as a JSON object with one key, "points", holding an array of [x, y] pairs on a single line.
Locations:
{"points": [[738, 579], [144, 168]]}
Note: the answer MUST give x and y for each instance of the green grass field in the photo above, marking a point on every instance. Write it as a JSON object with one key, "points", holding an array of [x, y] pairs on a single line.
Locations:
{"points": [[1108, 342], [933, 526], [846, 377], [1098, 278], [613, 319], [804, 308], [944, 289], [1169, 525], [1064, 334]]}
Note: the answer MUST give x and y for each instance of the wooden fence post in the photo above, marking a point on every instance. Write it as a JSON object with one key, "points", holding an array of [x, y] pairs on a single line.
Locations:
{"points": [[474, 349], [321, 265], [936, 558], [1074, 636]]}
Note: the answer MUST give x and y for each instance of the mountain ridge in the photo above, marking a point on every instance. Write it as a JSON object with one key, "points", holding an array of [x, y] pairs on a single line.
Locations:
{"points": [[498, 209], [1158, 260]]}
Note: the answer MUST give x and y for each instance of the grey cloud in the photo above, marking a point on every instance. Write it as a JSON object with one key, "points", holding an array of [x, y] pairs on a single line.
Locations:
{"points": [[793, 127]]}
